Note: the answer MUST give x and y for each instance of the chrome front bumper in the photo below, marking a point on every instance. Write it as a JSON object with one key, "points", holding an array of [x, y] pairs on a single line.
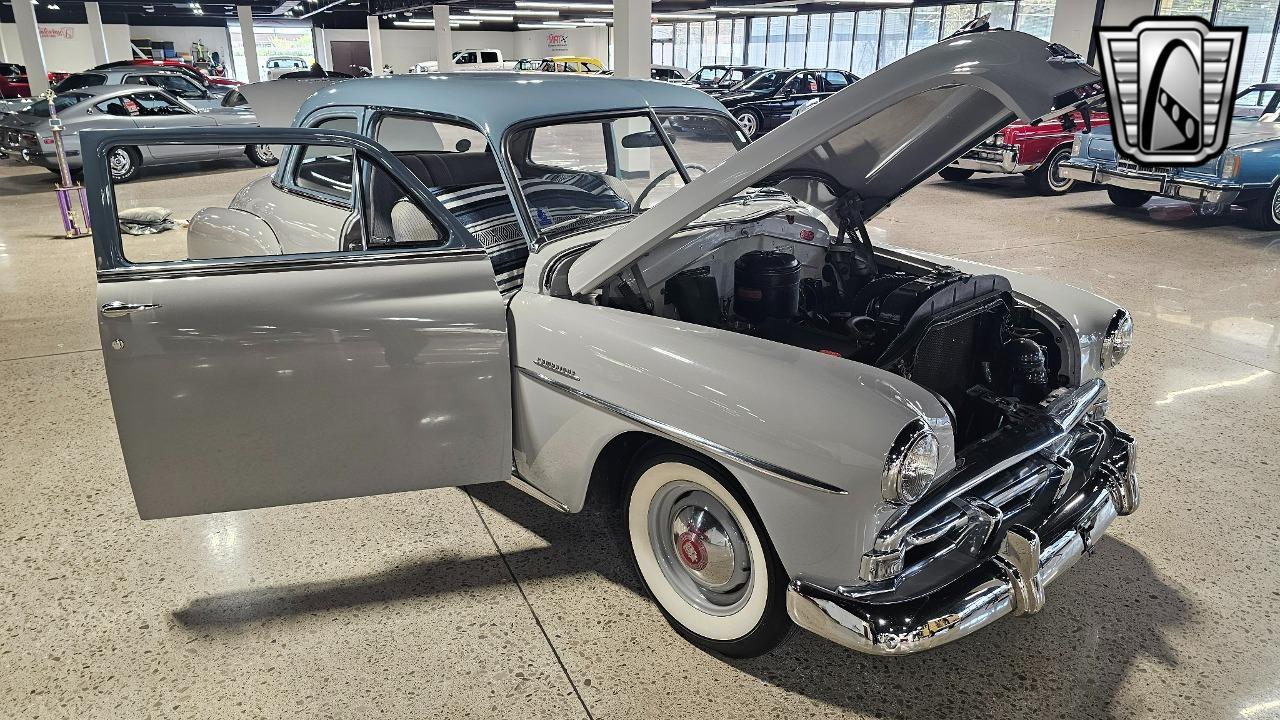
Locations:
{"points": [[1198, 191], [1012, 563], [993, 159]]}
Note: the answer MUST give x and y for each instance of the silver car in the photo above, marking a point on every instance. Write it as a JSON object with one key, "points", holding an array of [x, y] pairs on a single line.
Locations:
{"points": [[26, 136], [172, 81], [451, 280]]}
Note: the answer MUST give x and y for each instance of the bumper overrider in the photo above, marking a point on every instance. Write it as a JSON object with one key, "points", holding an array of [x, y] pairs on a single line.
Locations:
{"points": [[992, 159], [1022, 509], [1207, 191]]}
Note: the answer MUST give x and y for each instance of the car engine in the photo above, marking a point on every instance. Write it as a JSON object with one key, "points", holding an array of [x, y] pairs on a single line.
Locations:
{"points": [[962, 336]]}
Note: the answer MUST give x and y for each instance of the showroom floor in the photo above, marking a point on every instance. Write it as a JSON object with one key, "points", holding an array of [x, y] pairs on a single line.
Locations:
{"points": [[487, 604]]}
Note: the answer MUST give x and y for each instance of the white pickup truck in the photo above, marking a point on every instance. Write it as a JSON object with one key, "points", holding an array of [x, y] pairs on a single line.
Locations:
{"points": [[470, 59]]}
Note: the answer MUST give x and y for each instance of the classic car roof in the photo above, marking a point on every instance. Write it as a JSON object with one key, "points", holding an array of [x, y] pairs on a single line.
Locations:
{"points": [[875, 139], [498, 100]]}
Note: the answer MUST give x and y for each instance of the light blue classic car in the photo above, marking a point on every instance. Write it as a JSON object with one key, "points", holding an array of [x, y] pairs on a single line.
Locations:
{"points": [[1247, 174]]}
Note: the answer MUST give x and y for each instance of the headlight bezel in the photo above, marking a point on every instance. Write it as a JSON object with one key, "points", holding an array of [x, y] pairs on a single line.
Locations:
{"points": [[911, 465], [1118, 341]]}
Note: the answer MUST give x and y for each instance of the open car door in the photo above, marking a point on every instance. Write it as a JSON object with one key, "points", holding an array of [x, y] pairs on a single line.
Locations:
{"points": [[376, 360]]}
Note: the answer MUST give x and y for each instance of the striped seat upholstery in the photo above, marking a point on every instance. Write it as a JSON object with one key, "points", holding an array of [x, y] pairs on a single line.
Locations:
{"points": [[468, 185]]}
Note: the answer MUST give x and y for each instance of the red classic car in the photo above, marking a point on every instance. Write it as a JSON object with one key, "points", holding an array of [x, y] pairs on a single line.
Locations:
{"points": [[13, 80], [1033, 150], [185, 68]]}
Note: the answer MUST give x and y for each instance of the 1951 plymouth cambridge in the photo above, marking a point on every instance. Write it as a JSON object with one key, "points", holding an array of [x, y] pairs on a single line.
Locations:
{"points": [[1246, 174], [888, 448]]}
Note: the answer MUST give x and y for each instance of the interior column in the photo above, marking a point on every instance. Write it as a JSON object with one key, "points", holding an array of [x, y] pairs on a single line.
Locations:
{"points": [[245, 13], [97, 36], [24, 16], [375, 43], [444, 38], [632, 38]]}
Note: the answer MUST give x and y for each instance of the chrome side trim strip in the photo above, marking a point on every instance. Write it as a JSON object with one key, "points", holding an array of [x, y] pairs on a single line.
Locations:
{"points": [[284, 263], [683, 436]]}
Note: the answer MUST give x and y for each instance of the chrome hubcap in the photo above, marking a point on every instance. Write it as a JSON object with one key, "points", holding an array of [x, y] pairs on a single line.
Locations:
{"points": [[748, 123], [264, 152], [1275, 206], [119, 162], [1055, 174], [700, 548]]}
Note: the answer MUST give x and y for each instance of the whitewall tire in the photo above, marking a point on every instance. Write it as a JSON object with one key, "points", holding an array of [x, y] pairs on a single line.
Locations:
{"points": [[703, 556]]}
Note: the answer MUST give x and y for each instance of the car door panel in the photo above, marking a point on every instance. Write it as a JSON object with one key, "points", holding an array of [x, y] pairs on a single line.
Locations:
{"points": [[248, 383]]}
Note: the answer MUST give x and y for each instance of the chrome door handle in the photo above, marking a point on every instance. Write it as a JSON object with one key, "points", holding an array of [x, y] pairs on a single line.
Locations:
{"points": [[120, 309]]}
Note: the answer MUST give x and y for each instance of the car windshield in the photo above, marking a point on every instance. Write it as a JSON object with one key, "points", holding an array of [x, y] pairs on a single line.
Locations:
{"points": [[40, 108], [573, 172], [12, 70], [764, 82], [710, 74]]}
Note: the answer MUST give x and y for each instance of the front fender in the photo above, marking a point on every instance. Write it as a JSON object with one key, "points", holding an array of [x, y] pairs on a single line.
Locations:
{"points": [[818, 417]]}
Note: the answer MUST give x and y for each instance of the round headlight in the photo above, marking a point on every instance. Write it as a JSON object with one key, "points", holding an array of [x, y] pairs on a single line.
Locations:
{"points": [[1118, 340], [912, 464]]}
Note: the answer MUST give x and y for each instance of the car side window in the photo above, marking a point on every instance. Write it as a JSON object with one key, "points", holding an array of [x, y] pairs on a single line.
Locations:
{"points": [[836, 81], [327, 170], [176, 84], [153, 104], [81, 80], [489, 57], [249, 216]]}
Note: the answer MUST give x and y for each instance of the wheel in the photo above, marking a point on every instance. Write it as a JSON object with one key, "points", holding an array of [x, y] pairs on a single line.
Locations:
{"points": [[123, 163], [703, 555], [749, 120], [261, 155], [1047, 179], [1264, 213], [955, 174], [1126, 198]]}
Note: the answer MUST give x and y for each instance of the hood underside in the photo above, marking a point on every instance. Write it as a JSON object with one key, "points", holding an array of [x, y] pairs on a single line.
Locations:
{"points": [[875, 139]]}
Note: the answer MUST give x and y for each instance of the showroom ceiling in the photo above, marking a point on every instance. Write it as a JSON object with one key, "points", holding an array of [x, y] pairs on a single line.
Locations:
{"points": [[351, 13]]}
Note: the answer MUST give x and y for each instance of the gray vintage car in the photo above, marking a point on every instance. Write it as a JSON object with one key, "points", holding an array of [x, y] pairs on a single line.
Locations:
{"points": [[26, 136], [174, 82], [450, 280]]}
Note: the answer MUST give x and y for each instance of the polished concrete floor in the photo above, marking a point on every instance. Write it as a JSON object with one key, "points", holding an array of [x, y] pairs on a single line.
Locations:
{"points": [[487, 604]]}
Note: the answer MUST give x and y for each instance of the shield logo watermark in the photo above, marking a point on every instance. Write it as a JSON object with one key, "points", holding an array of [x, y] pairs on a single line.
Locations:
{"points": [[1171, 87]]}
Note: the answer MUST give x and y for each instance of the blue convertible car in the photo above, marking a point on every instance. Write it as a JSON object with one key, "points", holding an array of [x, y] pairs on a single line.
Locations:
{"points": [[1247, 174]]}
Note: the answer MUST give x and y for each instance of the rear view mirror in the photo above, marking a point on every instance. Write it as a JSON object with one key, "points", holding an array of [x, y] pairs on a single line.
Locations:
{"points": [[646, 139]]}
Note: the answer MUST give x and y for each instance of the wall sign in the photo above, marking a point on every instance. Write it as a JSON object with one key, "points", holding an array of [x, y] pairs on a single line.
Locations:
{"points": [[57, 32], [557, 42]]}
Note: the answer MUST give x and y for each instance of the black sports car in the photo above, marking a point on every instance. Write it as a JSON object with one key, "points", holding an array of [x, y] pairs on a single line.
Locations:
{"points": [[767, 99]]}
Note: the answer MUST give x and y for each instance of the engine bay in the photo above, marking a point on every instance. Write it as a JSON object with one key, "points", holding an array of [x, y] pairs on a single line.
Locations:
{"points": [[785, 278]]}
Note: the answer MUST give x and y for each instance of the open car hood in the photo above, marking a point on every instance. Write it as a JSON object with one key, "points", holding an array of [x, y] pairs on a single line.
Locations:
{"points": [[276, 102], [874, 140]]}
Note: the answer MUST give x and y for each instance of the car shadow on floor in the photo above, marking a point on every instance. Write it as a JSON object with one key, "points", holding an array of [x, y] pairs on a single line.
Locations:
{"points": [[1110, 614]]}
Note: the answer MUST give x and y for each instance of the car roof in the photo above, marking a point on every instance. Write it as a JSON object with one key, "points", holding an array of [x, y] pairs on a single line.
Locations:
{"points": [[498, 100]]}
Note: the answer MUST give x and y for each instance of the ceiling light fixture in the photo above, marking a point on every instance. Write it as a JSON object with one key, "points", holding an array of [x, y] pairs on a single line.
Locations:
{"points": [[563, 6], [751, 10], [545, 25], [52, 6], [683, 16], [504, 13]]}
